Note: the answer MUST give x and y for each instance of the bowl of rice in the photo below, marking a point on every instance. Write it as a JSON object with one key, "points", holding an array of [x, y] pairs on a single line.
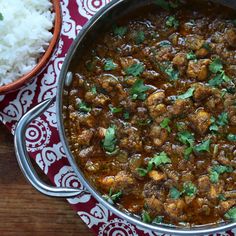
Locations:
{"points": [[30, 30]]}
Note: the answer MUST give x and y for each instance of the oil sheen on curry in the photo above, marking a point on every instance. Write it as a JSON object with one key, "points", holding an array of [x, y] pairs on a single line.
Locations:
{"points": [[151, 114]]}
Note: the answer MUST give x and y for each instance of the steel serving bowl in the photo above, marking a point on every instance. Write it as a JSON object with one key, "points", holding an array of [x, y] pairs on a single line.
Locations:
{"points": [[103, 19]]}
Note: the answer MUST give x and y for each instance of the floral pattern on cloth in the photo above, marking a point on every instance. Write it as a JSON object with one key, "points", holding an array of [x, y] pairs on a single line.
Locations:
{"points": [[42, 138]]}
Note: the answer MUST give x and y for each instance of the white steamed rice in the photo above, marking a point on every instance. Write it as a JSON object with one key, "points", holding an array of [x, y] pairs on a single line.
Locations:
{"points": [[24, 36]]}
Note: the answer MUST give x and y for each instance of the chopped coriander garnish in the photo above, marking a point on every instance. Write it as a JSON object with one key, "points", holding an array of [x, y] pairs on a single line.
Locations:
{"points": [[219, 79], [109, 142], [187, 94], [113, 197], [216, 66], [187, 152], [120, 31], [135, 70], [221, 197], [138, 90], [203, 147], [214, 127], [94, 90], [186, 137], [139, 37], [146, 217], [222, 119], [1, 16], [189, 189], [165, 124], [172, 73], [231, 137], [142, 172], [207, 46], [174, 193], [109, 65], [115, 109], [158, 220], [157, 160], [126, 115], [231, 214], [172, 22], [191, 56], [160, 159], [216, 170], [83, 107]]}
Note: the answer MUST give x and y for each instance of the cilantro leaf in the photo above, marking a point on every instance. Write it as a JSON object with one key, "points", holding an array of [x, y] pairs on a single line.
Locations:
{"points": [[186, 95], [158, 220], [203, 147], [231, 214], [142, 172], [126, 115], [160, 159], [186, 137], [138, 90], [222, 119], [187, 152], [221, 197], [174, 193], [165, 124], [120, 31], [216, 81], [189, 189], [115, 109], [216, 66], [172, 22], [214, 127], [94, 90], [83, 107], [109, 65], [1, 16], [109, 142], [207, 46], [231, 137], [219, 79], [172, 73], [157, 160], [139, 37], [216, 170], [113, 197], [191, 56], [146, 217], [135, 69]]}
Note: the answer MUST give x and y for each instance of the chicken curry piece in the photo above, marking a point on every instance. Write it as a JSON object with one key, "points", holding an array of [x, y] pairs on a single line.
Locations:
{"points": [[151, 113]]}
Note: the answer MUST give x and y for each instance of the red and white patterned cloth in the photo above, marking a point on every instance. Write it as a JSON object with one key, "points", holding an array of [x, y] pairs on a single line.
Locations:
{"points": [[42, 137]]}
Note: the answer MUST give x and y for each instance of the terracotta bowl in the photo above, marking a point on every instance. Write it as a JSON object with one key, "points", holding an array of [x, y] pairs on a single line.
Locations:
{"points": [[45, 56]]}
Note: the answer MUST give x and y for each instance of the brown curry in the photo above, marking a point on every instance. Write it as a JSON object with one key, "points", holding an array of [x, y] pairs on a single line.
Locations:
{"points": [[151, 113]]}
